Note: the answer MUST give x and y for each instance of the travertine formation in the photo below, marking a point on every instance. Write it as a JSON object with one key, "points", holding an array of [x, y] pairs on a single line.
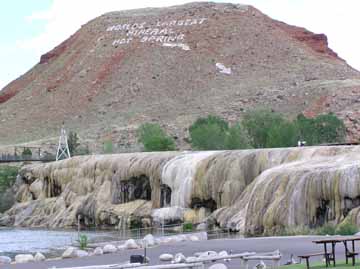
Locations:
{"points": [[251, 191], [172, 65]]}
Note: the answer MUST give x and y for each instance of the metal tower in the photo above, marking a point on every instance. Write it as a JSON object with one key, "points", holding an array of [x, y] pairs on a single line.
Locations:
{"points": [[63, 151]]}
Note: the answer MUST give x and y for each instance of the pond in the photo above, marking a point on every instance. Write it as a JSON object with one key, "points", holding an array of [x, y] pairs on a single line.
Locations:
{"points": [[52, 242]]}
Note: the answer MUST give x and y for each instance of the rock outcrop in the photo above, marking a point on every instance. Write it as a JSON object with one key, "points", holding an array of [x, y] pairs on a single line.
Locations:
{"points": [[251, 191], [172, 65]]}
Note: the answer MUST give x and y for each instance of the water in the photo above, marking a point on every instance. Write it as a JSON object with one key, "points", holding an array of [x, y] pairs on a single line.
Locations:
{"points": [[51, 242]]}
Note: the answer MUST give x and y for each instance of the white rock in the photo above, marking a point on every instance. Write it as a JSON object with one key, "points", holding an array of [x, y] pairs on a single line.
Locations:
{"points": [[70, 252], [5, 260], [166, 257], [191, 259], [208, 254], [98, 251], [39, 257], [194, 238], [179, 258], [168, 214], [131, 244], [218, 266], [223, 253], [150, 240], [24, 258], [109, 248], [121, 247], [223, 69], [81, 253], [198, 254]]}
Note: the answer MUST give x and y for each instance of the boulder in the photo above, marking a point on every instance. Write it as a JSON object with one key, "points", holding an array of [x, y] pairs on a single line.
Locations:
{"points": [[24, 258], [81, 253], [5, 260], [39, 257], [208, 254], [218, 266], [98, 251], [70, 252], [197, 254], [223, 253], [131, 244], [166, 257], [191, 259], [149, 240], [109, 249], [168, 214], [179, 258], [121, 247]]}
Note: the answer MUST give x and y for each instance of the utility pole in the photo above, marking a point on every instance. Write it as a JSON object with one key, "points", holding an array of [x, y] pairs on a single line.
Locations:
{"points": [[63, 151]]}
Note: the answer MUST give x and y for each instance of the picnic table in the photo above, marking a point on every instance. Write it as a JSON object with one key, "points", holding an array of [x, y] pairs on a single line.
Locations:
{"points": [[349, 253]]}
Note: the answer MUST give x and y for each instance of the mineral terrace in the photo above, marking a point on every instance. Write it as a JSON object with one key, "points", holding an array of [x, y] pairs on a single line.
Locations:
{"points": [[251, 191]]}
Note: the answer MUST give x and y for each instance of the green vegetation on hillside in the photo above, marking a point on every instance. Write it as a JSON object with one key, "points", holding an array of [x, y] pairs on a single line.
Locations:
{"points": [[259, 128], [154, 138], [265, 129], [214, 133]]}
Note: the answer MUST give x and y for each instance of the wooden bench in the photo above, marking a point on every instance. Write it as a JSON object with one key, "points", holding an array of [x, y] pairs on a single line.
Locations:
{"points": [[307, 257]]}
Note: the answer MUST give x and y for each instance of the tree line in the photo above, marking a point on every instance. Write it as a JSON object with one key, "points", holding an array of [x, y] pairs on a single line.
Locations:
{"points": [[257, 129]]}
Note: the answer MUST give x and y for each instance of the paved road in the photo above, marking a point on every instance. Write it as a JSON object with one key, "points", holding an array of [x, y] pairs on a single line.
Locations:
{"points": [[286, 245]]}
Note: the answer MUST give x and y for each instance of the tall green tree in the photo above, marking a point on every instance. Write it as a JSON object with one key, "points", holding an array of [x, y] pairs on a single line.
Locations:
{"points": [[154, 138], [325, 128], [258, 124], [237, 138], [73, 142], [282, 134], [208, 133]]}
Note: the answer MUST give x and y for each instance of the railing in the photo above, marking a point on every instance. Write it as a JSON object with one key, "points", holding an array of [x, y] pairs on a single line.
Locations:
{"points": [[25, 158], [156, 231]]}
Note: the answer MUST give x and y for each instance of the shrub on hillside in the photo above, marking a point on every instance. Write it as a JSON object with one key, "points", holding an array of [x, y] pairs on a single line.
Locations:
{"points": [[326, 128], [208, 133], [258, 124], [26, 152], [108, 147], [154, 138], [282, 134], [237, 138]]}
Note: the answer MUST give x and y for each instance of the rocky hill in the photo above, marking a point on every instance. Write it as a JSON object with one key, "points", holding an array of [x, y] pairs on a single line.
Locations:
{"points": [[172, 65]]}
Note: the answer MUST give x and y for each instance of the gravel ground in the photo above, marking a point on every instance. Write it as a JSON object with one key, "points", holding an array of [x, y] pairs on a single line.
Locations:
{"points": [[286, 245]]}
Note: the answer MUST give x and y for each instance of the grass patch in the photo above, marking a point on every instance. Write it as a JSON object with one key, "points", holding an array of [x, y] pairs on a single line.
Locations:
{"points": [[321, 265], [344, 228]]}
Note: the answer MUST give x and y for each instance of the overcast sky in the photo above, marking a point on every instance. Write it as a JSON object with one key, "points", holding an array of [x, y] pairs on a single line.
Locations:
{"points": [[30, 28]]}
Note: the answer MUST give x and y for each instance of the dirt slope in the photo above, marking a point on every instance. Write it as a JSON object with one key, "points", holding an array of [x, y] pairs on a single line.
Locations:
{"points": [[171, 65]]}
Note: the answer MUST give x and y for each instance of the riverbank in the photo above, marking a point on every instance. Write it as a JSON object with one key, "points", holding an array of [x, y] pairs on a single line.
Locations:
{"points": [[49, 242], [295, 245]]}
